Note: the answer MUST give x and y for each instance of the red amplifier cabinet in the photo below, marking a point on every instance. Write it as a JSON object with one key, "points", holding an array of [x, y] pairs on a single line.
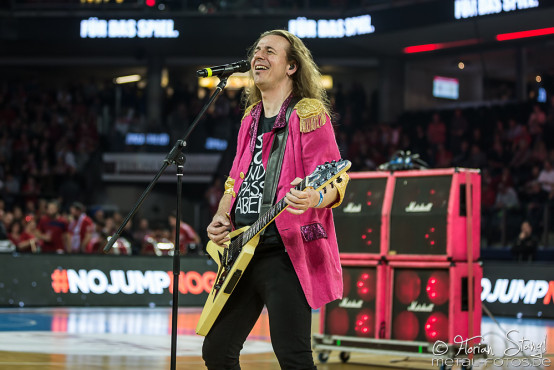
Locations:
{"points": [[359, 220], [360, 313], [429, 301], [430, 217]]}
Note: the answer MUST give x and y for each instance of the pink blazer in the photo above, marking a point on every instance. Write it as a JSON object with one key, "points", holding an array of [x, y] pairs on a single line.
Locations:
{"points": [[309, 238]]}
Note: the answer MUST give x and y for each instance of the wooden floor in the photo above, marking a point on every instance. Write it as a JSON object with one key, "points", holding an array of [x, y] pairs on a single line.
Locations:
{"points": [[24, 361], [133, 338]]}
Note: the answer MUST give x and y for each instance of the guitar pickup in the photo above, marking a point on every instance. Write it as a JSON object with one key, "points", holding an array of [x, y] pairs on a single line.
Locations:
{"points": [[233, 280]]}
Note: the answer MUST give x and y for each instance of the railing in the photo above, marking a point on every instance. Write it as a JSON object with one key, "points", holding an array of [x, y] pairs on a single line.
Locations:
{"points": [[500, 227]]}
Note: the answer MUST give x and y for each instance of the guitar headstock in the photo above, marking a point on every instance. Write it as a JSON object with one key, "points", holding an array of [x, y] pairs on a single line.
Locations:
{"points": [[325, 173]]}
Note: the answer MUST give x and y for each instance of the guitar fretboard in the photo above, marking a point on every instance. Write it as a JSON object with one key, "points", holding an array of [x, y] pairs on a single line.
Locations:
{"points": [[262, 222]]}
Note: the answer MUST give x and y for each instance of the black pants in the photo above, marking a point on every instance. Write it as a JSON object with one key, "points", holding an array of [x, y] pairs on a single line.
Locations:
{"points": [[269, 279]]}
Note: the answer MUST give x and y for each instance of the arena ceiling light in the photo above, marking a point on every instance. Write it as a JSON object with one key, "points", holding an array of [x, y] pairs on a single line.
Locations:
{"points": [[439, 45], [525, 34], [127, 79]]}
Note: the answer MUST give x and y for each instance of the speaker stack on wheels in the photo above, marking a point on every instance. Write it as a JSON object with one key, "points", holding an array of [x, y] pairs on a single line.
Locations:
{"points": [[409, 246]]}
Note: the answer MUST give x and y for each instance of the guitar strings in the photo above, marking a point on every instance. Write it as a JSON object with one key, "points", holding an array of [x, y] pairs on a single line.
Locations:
{"points": [[269, 215]]}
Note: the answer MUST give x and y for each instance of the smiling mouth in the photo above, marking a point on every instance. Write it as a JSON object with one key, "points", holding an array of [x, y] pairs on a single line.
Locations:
{"points": [[261, 68]]}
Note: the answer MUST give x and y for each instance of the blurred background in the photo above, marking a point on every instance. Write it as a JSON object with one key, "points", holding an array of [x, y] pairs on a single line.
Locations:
{"points": [[94, 93]]}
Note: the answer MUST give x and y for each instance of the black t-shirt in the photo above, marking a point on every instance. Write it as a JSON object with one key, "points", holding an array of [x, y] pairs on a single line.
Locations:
{"points": [[249, 199]]}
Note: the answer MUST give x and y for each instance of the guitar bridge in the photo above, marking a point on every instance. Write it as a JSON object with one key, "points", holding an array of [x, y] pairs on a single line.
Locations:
{"points": [[233, 280]]}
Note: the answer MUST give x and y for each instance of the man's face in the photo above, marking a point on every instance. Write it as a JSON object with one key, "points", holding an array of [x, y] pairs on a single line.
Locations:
{"points": [[269, 63], [52, 209]]}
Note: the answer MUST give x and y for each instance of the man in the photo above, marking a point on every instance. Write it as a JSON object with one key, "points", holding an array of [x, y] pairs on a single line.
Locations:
{"points": [[28, 240], [296, 266], [546, 178], [525, 246], [53, 229], [80, 228]]}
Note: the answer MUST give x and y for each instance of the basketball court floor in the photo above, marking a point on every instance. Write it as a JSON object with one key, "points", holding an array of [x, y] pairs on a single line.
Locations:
{"points": [[140, 338]]}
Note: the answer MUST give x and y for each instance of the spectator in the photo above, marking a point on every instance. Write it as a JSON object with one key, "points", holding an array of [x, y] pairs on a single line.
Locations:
{"points": [[497, 158], [28, 240], [53, 230], [6, 244], [514, 131], [536, 122], [127, 236], [539, 153], [546, 178], [458, 130], [436, 131], [506, 198], [462, 157], [443, 157], [98, 239], [419, 142], [187, 235], [157, 242], [15, 232], [549, 126], [525, 246], [30, 190], [507, 215], [477, 159], [12, 190], [535, 199], [140, 233], [80, 228], [521, 158]]}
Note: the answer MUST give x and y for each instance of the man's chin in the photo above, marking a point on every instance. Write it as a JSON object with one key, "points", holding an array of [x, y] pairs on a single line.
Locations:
{"points": [[261, 84]]}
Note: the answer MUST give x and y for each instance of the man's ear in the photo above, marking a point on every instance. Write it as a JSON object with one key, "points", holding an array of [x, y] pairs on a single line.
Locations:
{"points": [[292, 68]]}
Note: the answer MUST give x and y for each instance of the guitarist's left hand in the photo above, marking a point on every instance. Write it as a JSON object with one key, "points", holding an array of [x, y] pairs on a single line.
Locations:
{"points": [[300, 201]]}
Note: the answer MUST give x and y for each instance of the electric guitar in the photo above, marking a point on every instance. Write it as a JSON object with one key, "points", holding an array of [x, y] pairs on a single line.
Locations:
{"points": [[235, 257]]}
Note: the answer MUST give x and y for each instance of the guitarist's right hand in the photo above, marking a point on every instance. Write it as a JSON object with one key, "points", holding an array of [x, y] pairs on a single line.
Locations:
{"points": [[218, 229]]}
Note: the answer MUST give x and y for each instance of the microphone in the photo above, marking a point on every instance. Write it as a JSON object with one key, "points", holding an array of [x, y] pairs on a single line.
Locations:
{"points": [[224, 70]]}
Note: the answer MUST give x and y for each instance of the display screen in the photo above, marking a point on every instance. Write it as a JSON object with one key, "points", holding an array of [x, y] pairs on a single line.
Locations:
{"points": [[445, 87]]}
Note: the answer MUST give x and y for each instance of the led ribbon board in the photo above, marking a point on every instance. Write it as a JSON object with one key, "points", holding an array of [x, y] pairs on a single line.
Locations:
{"points": [[331, 28], [128, 28], [474, 8]]}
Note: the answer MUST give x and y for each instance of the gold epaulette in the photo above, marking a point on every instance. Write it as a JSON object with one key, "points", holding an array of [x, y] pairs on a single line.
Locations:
{"points": [[229, 185], [312, 114], [247, 110]]}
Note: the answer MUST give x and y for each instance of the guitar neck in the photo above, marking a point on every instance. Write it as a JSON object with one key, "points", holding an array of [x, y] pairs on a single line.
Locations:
{"points": [[262, 222], [270, 215]]}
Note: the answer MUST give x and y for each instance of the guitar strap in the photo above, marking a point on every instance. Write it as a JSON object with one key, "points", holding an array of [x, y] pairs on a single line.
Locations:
{"points": [[273, 170]]}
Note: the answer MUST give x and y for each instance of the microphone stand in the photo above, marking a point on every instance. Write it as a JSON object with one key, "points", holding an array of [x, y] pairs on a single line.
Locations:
{"points": [[176, 157]]}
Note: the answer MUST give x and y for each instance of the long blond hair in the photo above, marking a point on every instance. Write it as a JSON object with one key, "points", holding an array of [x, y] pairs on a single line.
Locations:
{"points": [[306, 79]]}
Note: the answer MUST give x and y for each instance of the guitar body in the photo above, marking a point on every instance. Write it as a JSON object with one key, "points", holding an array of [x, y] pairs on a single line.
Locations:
{"points": [[219, 295]]}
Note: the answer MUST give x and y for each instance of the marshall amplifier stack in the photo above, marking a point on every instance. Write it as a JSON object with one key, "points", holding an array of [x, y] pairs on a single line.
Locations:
{"points": [[409, 245]]}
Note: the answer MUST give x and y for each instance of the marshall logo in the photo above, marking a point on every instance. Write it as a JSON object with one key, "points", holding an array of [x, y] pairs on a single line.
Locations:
{"points": [[352, 208], [346, 303], [420, 307], [422, 207]]}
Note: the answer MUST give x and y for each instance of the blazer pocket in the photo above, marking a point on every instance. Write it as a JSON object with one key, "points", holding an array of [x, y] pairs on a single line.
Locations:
{"points": [[313, 232]]}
